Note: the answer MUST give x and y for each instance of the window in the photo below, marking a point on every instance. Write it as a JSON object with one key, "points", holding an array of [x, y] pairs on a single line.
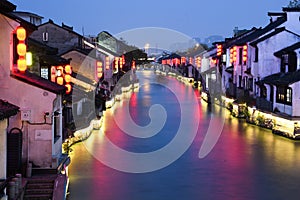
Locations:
{"points": [[284, 95], [289, 95], [256, 54], [45, 36], [250, 84], [56, 124], [263, 92], [15, 53], [288, 62], [292, 65], [240, 81], [240, 56]]}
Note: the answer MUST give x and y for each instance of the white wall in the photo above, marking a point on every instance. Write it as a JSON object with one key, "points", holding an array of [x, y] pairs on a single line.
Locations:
{"points": [[296, 98], [267, 63], [3, 148], [293, 23]]}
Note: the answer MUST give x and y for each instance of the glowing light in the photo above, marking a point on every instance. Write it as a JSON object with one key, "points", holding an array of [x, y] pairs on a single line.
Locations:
{"points": [[123, 60], [67, 78], [60, 80], [107, 62], [28, 58], [68, 69], [219, 50], [69, 88], [245, 56], [21, 49], [53, 73], [22, 65], [58, 72], [21, 33]]}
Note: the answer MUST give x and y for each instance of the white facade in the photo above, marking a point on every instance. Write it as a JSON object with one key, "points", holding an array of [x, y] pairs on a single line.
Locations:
{"points": [[3, 126], [268, 63], [296, 99], [293, 22]]}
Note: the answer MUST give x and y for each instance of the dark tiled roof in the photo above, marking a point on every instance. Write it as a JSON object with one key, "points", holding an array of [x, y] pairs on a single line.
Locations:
{"points": [[210, 70], [62, 27], [287, 49], [53, 60], [275, 32], [87, 52], [28, 13], [83, 78], [294, 9], [45, 48], [7, 6], [229, 69], [39, 82], [282, 78], [7, 109], [254, 33], [47, 55], [28, 26], [107, 50], [276, 14], [173, 55]]}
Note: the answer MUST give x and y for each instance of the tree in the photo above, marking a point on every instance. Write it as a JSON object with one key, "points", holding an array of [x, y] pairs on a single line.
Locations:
{"points": [[294, 4]]}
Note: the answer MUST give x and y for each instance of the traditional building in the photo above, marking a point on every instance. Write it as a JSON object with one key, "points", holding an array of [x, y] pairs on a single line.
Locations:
{"points": [[61, 37], [7, 110], [39, 100], [268, 63]]}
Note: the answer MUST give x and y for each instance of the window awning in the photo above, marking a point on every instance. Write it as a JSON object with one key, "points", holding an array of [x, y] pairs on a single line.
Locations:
{"points": [[281, 78], [229, 69]]}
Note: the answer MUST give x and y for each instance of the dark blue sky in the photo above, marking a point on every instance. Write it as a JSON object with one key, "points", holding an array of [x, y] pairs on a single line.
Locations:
{"points": [[195, 18]]}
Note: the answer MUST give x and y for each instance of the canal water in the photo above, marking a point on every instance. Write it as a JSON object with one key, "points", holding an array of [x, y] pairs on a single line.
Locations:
{"points": [[245, 161]]}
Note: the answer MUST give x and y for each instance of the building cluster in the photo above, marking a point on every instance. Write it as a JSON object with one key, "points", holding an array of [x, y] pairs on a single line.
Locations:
{"points": [[255, 73], [49, 75]]}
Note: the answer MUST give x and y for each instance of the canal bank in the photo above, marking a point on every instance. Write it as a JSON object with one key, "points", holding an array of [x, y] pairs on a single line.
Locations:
{"points": [[247, 162], [279, 124]]}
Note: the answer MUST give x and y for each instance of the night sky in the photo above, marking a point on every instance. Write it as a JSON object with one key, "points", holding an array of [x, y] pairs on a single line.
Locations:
{"points": [[195, 18]]}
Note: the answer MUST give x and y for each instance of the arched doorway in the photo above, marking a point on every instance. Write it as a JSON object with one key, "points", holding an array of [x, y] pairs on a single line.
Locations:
{"points": [[14, 151]]}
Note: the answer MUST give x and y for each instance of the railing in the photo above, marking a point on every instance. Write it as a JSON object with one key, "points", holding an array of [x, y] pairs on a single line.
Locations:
{"points": [[264, 104], [231, 90]]}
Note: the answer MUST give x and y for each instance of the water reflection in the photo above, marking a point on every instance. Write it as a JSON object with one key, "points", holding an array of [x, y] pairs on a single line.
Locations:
{"points": [[247, 162]]}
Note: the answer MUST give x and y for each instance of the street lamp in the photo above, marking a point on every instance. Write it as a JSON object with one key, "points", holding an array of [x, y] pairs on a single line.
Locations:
{"points": [[147, 46]]}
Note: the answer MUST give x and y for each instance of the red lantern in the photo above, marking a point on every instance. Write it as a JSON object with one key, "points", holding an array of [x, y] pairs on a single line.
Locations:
{"points": [[21, 49], [67, 78], [245, 52], [107, 63], [219, 50], [99, 69], [60, 80], [21, 33], [21, 63], [68, 69], [69, 88]]}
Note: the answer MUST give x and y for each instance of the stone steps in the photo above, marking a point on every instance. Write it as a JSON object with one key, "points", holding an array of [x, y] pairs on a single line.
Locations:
{"points": [[39, 189]]}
